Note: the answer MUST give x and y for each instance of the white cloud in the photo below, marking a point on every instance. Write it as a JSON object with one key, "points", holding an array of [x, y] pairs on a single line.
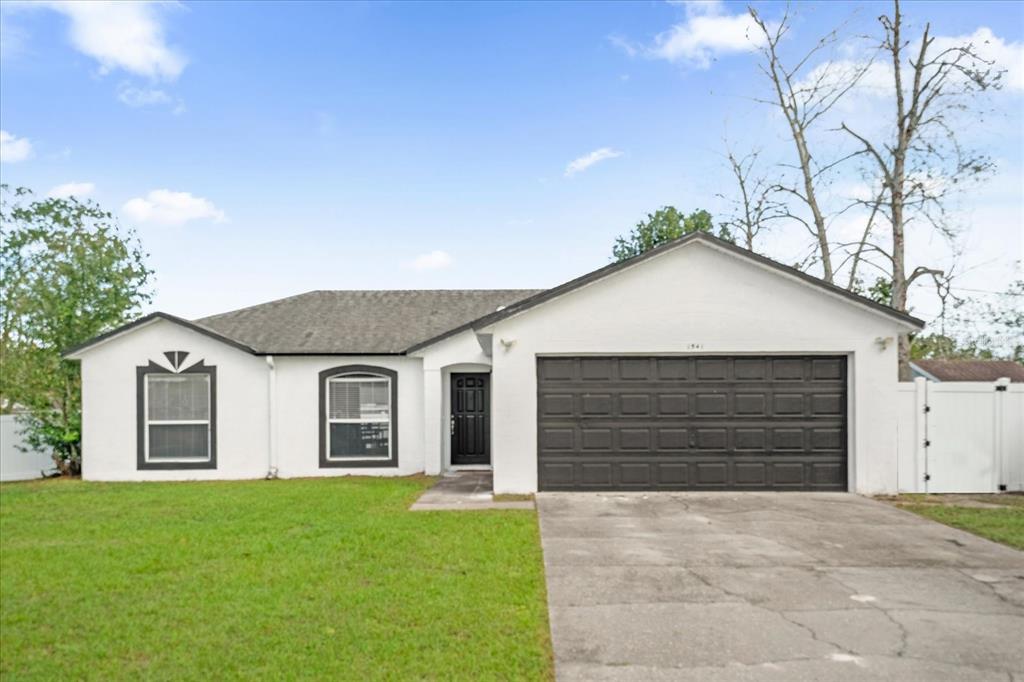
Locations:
{"points": [[435, 260], [172, 208], [700, 39], [14, 149], [13, 39], [584, 162], [877, 79], [991, 48], [625, 45], [706, 33], [72, 189], [123, 35], [142, 97]]}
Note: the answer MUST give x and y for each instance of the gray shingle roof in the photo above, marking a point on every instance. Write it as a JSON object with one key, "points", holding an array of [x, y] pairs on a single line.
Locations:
{"points": [[972, 370], [357, 321]]}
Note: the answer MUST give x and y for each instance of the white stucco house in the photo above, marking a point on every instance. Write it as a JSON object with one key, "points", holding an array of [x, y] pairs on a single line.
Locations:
{"points": [[695, 366]]}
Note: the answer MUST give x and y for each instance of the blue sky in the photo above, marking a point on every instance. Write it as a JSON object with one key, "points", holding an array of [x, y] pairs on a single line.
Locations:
{"points": [[265, 149]]}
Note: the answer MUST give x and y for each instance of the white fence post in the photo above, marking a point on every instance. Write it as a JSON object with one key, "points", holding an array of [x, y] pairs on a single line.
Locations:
{"points": [[921, 433], [999, 476]]}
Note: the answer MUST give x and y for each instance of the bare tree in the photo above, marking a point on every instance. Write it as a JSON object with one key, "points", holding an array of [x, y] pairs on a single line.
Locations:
{"points": [[920, 164], [803, 98], [858, 252], [753, 210]]}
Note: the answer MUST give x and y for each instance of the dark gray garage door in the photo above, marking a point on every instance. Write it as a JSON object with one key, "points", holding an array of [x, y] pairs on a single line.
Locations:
{"points": [[692, 423]]}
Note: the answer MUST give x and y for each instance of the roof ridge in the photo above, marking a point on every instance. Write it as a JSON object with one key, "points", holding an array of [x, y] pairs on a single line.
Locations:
{"points": [[437, 290], [256, 305], [278, 301]]}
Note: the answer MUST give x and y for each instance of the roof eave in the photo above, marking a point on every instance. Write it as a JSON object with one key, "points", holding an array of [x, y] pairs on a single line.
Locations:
{"points": [[909, 322], [75, 352]]}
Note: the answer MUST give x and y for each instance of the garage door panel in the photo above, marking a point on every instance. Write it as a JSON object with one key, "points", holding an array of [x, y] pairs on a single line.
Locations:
{"points": [[596, 473], [673, 404], [673, 369], [788, 474], [596, 369], [750, 369], [750, 439], [711, 438], [788, 369], [556, 439], [557, 404], [557, 369], [631, 473], [711, 405], [712, 369], [596, 439], [788, 404], [635, 369], [827, 368], [711, 473], [635, 439], [750, 405], [652, 423], [750, 473], [826, 404], [672, 438], [635, 405], [596, 405]]}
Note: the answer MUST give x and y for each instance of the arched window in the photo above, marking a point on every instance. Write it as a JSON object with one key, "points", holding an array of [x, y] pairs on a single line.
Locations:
{"points": [[358, 417]]}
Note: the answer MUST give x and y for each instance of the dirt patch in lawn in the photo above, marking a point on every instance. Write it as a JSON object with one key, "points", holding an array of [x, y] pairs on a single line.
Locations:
{"points": [[971, 501]]}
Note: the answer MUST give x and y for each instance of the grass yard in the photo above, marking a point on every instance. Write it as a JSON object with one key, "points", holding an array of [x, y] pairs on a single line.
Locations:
{"points": [[325, 578], [996, 517]]}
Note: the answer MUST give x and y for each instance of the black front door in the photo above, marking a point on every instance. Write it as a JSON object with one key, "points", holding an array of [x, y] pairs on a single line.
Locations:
{"points": [[471, 419]]}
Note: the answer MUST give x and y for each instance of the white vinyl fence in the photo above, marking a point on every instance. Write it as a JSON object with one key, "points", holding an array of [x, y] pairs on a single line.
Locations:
{"points": [[16, 465], [960, 437]]}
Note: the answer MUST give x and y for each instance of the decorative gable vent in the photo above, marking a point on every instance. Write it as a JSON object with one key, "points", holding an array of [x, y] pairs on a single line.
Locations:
{"points": [[176, 358]]}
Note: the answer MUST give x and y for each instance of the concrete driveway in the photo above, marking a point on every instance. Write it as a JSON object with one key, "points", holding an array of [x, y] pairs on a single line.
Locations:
{"points": [[752, 586]]}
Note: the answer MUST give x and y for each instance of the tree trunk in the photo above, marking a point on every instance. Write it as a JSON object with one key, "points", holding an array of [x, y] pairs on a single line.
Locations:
{"points": [[812, 203], [903, 355], [896, 192]]}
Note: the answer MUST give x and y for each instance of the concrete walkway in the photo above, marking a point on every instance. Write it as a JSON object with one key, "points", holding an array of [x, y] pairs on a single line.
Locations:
{"points": [[783, 586], [464, 491]]}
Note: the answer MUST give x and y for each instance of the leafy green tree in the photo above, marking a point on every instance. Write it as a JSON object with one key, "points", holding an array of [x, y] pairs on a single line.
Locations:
{"points": [[928, 346], [67, 273], [665, 224], [879, 292]]}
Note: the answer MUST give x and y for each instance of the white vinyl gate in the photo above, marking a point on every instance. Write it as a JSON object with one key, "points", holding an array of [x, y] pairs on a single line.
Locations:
{"points": [[961, 437]]}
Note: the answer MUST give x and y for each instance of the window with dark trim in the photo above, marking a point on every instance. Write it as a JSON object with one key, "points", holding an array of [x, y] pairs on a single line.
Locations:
{"points": [[358, 417], [176, 415]]}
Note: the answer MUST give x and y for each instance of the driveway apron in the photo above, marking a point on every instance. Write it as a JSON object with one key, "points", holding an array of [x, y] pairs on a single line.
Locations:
{"points": [[768, 586]]}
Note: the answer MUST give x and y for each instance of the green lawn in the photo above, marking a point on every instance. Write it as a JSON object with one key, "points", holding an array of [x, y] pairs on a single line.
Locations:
{"points": [[1003, 523], [328, 578]]}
